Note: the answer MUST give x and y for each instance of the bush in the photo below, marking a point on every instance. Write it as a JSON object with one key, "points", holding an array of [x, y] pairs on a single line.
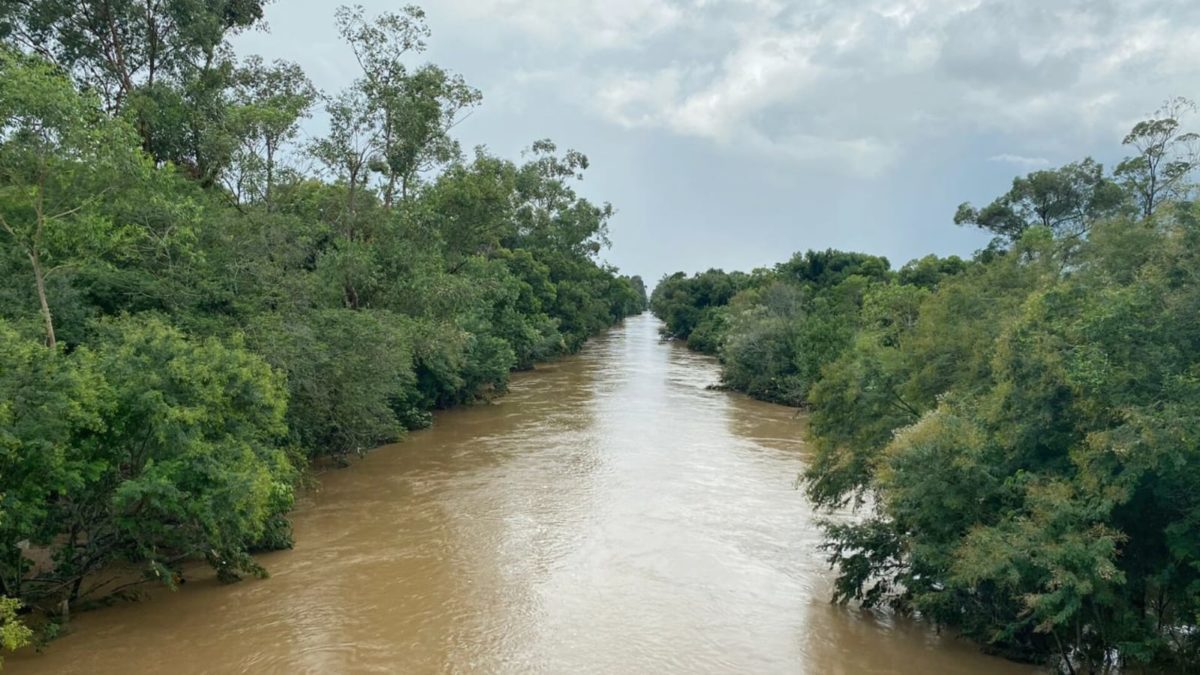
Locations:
{"points": [[160, 449]]}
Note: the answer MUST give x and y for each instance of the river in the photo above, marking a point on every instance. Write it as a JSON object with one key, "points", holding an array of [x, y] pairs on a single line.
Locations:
{"points": [[609, 515]]}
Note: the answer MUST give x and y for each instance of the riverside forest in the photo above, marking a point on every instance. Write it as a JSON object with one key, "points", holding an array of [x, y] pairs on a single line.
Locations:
{"points": [[1018, 430], [293, 381]]}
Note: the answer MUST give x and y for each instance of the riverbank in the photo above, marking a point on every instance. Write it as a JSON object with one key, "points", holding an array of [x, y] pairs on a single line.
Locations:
{"points": [[610, 514]]}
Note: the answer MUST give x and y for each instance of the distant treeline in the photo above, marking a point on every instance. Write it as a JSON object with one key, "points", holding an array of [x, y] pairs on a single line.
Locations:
{"points": [[196, 299], [1019, 432]]}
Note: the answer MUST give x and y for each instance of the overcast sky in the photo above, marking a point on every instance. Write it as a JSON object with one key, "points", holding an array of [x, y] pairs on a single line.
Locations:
{"points": [[731, 133]]}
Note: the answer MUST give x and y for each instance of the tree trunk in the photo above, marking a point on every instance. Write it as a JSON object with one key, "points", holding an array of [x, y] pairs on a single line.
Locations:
{"points": [[350, 199], [1066, 657], [40, 277], [270, 174]]}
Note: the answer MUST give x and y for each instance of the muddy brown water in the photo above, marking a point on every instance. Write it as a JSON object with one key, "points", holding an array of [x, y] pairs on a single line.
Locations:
{"points": [[609, 515]]}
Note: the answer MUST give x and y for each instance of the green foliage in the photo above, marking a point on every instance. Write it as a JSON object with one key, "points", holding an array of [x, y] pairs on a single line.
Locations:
{"points": [[268, 103], [710, 331], [989, 514], [59, 156], [1166, 156], [402, 117], [1028, 445], [1017, 433], [186, 317], [928, 272], [825, 269], [1068, 201], [683, 302], [164, 66], [14, 634], [760, 348], [773, 330], [344, 370], [153, 448]]}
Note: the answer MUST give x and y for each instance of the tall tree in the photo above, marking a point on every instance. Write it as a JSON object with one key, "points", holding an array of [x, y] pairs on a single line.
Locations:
{"points": [[346, 149], [1166, 156], [550, 214], [1066, 201], [60, 155], [269, 102], [414, 111], [163, 62]]}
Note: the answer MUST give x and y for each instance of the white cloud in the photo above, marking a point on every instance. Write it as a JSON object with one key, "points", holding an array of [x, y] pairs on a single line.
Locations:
{"points": [[577, 23], [1020, 160], [634, 100], [860, 84]]}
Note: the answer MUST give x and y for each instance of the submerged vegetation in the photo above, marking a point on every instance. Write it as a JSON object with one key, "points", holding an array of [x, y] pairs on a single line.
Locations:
{"points": [[197, 299], [1018, 431]]}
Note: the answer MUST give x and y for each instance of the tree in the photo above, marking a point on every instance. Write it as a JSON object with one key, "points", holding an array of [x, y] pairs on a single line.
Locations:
{"points": [[152, 448], [14, 634], [1025, 447], [418, 118], [472, 209], [830, 267], [345, 370], [269, 102], [414, 111], [1166, 157], [206, 342], [683, 303], [549, 213], [59, 156], [346, 149], [931, 270], [1066, 201], [163, 61], [639, 289], [914, 345]]}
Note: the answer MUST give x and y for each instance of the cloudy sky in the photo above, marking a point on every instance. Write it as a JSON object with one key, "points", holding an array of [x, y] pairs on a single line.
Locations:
{"points": [[730, 133]]}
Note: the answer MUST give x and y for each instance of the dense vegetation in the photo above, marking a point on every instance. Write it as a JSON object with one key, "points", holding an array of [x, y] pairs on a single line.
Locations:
{"points": [[1017, 432], [196, 298]]}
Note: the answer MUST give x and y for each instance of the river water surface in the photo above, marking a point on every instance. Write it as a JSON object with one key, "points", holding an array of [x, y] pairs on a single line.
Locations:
{"points": [[609, 515]]}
